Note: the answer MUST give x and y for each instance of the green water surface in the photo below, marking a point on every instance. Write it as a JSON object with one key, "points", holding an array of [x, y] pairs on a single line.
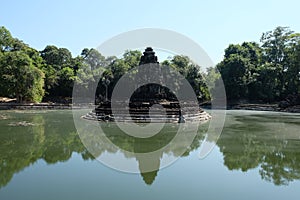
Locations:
{"points": [[256, 157]]}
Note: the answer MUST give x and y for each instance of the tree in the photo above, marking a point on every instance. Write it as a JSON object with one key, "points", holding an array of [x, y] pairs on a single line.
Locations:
{"points": [[59, 71], [240, 70], [212, 76], [20, 72], [196, 80], [274, 44], [180, 63], [93, 58], [20, 78], [132, 58], [293, 66], [267, 73], [56, 57], [268, 82], [191, 72], [6, 39], [234, 69], [275, 51], [90, 68]]}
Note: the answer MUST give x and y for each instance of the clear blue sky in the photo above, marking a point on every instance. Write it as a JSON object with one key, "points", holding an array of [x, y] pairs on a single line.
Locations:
{"points": [[79, 24]]}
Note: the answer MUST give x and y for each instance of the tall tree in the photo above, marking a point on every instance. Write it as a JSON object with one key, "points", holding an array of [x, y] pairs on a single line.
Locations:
{"points": [[20, 72], [6, 40], [91, 66], [236, 70], [20, 78], [275, 51], [59, 71], [293, 65]]}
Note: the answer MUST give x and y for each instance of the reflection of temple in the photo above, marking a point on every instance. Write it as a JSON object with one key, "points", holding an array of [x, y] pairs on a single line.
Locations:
{"points": [[162, 102], [148, 163], [148, 155], [277, 154], [148, 177]]}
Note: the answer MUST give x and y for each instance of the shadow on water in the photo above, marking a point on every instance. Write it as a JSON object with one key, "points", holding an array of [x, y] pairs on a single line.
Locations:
{"points": [[267, 141]]}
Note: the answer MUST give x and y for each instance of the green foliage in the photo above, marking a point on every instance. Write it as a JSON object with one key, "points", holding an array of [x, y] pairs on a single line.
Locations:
{"points": [[268, 72], [211, 76], [20, 78], [90, 67], [239, 69], [6, 40], [132, 58], [20, 72], [192, 74], [59, 69], [95, 67]]}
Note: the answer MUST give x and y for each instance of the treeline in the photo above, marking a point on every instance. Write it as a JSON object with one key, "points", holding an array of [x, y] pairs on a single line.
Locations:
{"points": [[32, 76], [266, 72]]}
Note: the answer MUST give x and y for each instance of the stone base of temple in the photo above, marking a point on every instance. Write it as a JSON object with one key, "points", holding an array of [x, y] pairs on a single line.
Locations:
{"points": [[145, 112]]}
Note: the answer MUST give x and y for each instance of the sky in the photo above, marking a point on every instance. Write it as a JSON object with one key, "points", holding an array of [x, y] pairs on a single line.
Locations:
{"points": [[79, 24]]}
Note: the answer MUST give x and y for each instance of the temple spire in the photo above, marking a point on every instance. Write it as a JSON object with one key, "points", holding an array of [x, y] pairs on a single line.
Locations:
{"points": [[148, 56]]}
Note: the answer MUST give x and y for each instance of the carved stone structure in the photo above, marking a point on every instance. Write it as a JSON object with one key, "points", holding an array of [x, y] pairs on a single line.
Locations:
{"points": [[139, 106], [148, 56]]}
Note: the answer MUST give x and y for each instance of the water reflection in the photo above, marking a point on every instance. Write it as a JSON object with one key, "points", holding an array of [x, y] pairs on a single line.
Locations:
{"points": [[269, 142], [116, 149], [51, 136], [48, 138]]}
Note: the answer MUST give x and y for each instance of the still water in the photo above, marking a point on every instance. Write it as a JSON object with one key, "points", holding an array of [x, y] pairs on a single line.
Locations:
{"points": [[256, 157]]}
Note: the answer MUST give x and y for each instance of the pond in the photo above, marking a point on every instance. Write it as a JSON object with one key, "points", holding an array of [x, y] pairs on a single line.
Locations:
{"points": [[256, 157]]}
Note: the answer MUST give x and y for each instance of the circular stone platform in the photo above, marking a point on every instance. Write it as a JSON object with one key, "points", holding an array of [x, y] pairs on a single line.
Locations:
{"points": [[145, 112]]}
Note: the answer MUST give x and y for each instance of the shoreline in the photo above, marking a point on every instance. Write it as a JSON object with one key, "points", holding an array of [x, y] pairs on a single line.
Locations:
{"points": [[43, 106], [265, 107], [68, 106]]}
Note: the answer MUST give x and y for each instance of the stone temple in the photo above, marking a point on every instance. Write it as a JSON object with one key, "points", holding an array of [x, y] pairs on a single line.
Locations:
{"points": [[150, 103]]}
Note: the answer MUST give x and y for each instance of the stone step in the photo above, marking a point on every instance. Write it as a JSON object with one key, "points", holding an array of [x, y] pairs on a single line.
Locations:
{"points": [[203, 116]]}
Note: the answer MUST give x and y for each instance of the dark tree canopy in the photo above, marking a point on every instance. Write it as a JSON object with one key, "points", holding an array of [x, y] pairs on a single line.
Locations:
{"points": [[265, 72], [268, 71]]}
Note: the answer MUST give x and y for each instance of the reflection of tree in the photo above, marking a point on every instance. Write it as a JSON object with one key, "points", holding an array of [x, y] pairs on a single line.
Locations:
{"points": [[53, 138], [59, 144], [249, 142], [253, 142], [22, 146], [281, 167], [19, 147]]}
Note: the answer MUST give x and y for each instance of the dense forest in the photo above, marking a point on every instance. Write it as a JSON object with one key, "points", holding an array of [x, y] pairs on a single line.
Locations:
{"points": [[264, 72], [32, 76]]}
